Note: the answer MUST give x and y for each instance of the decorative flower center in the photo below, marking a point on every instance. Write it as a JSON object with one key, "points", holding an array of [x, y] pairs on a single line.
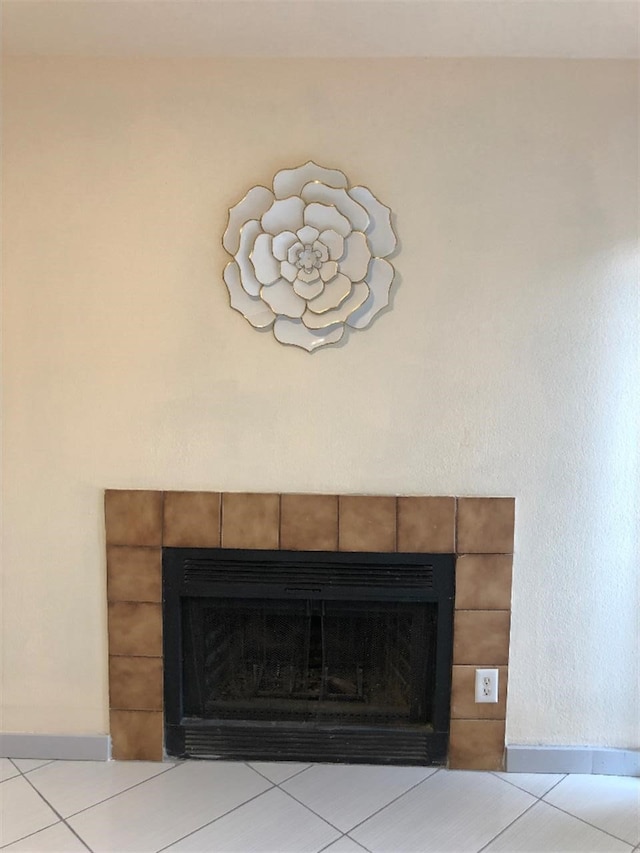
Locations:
{"points": [[309, 259]]}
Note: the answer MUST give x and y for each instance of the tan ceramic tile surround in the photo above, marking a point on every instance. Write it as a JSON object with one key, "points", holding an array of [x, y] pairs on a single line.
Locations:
{"points": [[479, 531]]}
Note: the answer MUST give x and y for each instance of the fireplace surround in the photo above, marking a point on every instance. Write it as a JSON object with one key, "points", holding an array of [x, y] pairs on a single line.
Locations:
{"points": [[477, 530]]}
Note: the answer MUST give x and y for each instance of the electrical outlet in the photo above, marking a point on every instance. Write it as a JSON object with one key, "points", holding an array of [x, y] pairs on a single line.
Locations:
{"points": [[486, 685]]}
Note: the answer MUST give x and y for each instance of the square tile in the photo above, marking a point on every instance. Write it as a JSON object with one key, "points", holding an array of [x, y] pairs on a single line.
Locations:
{"points": [[22, 810], [168, 807], [426, 525], [534, 783], [367, 523], [56, 839], [272, 823], [135, 684], [612, 803], [448, 813], [135, 628], [278, 771], [485, 525], [463, 690], [191, 520], [72, 786], [134, 574], [483, 582], [481, 637], [7, 769], [133, 517], [250, 520], [309, 522], [347, 794], [546, 828], [476, 744], [136, 735]]}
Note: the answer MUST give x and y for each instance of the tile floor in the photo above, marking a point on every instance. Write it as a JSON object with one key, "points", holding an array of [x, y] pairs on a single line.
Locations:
{"points": [[226, 807]]}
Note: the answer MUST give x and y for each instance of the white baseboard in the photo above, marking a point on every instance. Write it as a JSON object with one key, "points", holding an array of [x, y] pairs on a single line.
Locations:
{"points": [[573, 759], [70, 747]]}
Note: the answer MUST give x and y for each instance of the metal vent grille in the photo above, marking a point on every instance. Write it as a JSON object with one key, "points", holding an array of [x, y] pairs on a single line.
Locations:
{"points": [[314, 744], [302, 574]]}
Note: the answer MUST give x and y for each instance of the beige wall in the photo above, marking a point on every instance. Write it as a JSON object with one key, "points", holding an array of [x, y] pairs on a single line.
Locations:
{"points": [[508, 364]]}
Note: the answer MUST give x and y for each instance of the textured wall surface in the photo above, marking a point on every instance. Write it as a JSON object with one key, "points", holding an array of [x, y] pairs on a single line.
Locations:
{"points": [[507, 365]]}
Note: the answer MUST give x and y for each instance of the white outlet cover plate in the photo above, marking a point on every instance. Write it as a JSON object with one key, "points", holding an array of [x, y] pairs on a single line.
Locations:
{"points": [[486, 685]]}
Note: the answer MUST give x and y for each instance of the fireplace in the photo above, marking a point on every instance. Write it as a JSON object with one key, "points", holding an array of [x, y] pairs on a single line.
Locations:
{"points": [[478, 531], [308, 656]]}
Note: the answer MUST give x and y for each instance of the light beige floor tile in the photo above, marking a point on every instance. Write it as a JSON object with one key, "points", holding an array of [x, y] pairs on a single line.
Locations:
{"points": [[452, 811], [611, 803], [272, 823], [347, 794], [22, 810], [278, 771], [545, 828], [71, 786], [55, 839], [26, 765], [167, 807], [534, 783], [344, 845], [7, 769]]}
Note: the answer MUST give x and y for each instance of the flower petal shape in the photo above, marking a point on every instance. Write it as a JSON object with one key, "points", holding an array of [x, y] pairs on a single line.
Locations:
{"points": [[323, 216], [379, 280], [256, 202], [358, 295], [328, 270], [261, 256], [355, 260], [380, 234], [321, 249], [294, 251], [334, 242], [248, 234], [294, 332], [308, 234], [282, 243], [341, 200], [308, 276], [285, 215], [290, 181], [333, 295], [282, 300], [308, 289], [252, 308], [288, 271]]}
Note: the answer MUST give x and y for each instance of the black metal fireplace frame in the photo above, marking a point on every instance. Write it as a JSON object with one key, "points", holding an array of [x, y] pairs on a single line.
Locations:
{"points": [[315, 576]]}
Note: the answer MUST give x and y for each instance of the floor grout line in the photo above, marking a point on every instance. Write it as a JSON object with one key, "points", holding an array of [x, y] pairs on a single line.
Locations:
{"points": [[70, 828], [582, 820], [123, 791], [210, 822], [509, 825], [537, 796]]}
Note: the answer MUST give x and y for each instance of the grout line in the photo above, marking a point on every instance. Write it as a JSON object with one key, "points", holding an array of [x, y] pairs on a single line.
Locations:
{"points": [[538, 797], [124, 791], [509, 825], [344, 835], [582, 820], [395, 800], [31, 834], [44, 799], [215, 819], [277, 784]]}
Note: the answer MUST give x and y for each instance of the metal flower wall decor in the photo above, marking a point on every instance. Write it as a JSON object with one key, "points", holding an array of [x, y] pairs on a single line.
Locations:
{"points": [[309, 256]]}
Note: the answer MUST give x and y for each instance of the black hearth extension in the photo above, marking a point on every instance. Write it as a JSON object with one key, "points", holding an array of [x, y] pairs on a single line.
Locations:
{"points": [[307, 656]]}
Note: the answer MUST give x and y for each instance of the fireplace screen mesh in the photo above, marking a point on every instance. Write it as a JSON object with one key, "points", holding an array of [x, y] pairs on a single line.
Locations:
{"points": [[304, 660]]}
